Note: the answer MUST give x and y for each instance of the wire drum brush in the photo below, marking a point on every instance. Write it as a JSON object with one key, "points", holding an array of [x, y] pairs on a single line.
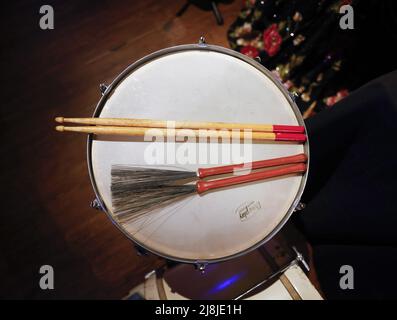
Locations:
{"points": [[137, 190]]}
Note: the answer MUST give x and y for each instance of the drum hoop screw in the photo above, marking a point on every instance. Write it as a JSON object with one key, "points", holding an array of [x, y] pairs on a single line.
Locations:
{"points": [[141, 252], [300, 206], [202, 41], [102, 88], [200, 266], [294, 95], [95, 204]]}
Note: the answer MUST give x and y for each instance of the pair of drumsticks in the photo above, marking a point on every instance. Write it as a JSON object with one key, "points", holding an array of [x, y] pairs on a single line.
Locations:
{"points": [[185, 129]]}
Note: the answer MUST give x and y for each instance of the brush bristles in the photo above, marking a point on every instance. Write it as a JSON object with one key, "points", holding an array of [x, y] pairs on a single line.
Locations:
{"points": [[138, 177], [137, 190]]}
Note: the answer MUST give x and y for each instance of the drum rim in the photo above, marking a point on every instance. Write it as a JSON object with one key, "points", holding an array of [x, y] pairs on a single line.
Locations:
{"points": [[201, 47]]}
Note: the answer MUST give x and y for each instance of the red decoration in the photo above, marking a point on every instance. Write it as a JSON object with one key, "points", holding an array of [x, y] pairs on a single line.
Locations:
{"points": [[345, 2], [330, 101], [272, 40], [250, 51]]}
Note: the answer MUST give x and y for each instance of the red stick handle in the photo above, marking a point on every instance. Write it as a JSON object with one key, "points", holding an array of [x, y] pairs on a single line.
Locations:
{"points": [[295, 137], [288, 129], [203, 186], [207, 172]]}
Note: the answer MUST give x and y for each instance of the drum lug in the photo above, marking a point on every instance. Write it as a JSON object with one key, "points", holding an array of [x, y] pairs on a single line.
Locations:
{"points": [[299, 207], [103, 87], [200, 266], [258, 59], [202, 41], [294, 95], [140, 251], [301, 259], [96, 204]]}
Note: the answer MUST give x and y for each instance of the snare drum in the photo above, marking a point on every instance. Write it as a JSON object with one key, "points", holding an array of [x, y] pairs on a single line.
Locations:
{"points": [[202, 83]]}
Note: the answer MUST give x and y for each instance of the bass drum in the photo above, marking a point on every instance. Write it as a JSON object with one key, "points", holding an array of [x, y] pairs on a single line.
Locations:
{"points": [[201, 83]]}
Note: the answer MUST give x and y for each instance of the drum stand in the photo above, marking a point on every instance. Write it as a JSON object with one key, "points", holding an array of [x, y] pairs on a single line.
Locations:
{"points": [[299, 260], [285, 282], [214, 7]]}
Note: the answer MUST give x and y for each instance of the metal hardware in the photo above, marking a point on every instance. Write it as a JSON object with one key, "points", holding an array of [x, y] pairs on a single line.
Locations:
{"points": [[140, 251], [103, 87], [201, 265], [300, 206], [293, 95], [95, 204], [258, 59], [301, 259], [202, 41]]}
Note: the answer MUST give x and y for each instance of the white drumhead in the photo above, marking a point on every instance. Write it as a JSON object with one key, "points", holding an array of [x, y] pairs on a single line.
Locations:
{"points": [[212, 84]]}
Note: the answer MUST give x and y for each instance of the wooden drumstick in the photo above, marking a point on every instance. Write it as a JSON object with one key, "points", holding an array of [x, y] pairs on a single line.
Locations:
{"points": [[186, 133], [148, 123]]}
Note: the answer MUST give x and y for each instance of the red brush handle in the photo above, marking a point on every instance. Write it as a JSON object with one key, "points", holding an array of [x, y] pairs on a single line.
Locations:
{"points": [[203, 186], [202, 173]]}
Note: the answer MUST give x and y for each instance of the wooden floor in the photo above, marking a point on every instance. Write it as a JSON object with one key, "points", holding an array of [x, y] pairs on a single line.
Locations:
{"points": [[46, 217]]}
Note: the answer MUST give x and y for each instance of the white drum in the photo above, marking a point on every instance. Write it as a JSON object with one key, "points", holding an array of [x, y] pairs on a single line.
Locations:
{"points": [[201, 83]]}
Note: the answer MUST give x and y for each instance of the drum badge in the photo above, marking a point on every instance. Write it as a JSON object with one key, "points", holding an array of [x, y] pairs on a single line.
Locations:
{"points": [[247, 209]]}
